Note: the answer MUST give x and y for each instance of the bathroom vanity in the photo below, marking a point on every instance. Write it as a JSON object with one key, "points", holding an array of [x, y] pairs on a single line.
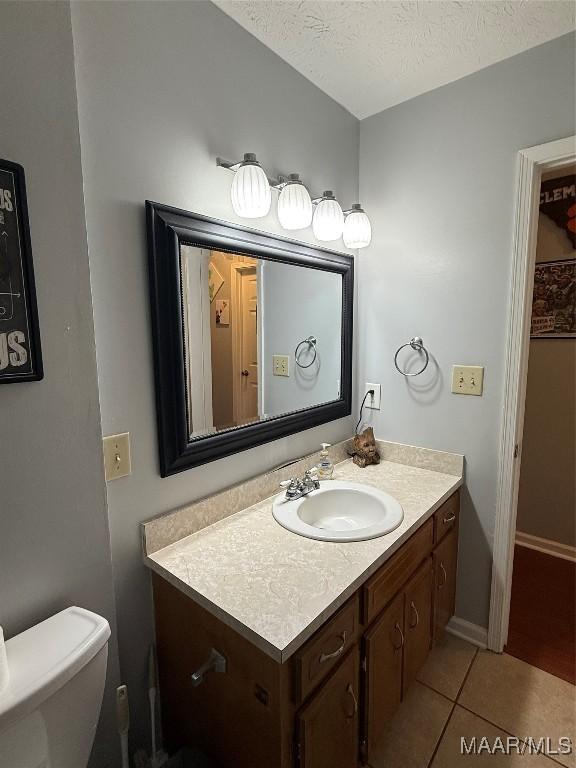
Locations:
{"points": [[320, 640]]}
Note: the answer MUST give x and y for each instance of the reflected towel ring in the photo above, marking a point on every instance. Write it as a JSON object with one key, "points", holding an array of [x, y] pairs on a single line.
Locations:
{"points": [[418, 345], [311, 341]]}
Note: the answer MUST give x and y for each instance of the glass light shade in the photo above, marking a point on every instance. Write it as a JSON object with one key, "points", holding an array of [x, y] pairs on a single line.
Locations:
{"points": [[250, 193], [328, 220], [357, 229], [294, 205]]}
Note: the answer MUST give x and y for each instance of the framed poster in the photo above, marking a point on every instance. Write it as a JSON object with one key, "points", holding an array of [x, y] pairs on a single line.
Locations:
{"points": [[20, 353], [554, 300]]}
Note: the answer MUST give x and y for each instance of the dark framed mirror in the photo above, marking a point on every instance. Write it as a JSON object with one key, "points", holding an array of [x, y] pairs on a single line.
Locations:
{"points": [[252, 336]]}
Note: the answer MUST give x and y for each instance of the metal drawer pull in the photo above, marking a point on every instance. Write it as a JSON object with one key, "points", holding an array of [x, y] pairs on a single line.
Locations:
{"points": [[399, 629], [449, 519], [350, 690], [415, 610], [327, 656], [445, 576]]}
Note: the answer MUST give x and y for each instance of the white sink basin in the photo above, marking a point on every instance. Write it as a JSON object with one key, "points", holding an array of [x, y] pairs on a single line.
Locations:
{"points": [[339, 511]]}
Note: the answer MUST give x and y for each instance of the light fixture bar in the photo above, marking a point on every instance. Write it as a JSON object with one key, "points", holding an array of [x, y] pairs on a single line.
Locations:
{"points": [[276, 184]]}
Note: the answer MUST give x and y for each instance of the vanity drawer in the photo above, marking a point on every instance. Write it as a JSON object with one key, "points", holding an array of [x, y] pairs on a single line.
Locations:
{"points": [[326, 648], [446, 517], [381, 588]]}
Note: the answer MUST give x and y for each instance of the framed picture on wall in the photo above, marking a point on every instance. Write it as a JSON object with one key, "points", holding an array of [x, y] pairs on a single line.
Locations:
{"points": [[20, 353], [554, 300]]}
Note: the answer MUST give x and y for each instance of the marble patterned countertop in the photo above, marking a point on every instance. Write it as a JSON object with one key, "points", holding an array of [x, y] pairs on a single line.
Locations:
{"points": [[275, 587]]}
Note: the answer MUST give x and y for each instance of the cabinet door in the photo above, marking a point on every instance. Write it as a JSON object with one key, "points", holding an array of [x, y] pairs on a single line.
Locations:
{"points": [[384, 646], [328, 725], [418, 595], [445, 562]]}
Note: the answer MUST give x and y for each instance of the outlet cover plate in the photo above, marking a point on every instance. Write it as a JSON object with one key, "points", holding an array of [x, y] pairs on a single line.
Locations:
{"points": [[467, 379], [117, 462], [374, 400], [280, 365]]}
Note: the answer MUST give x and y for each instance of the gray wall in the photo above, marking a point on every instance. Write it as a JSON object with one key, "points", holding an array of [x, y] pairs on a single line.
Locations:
{"points": [[297, 303], [54, 540], [437, 175], [163, 88]]}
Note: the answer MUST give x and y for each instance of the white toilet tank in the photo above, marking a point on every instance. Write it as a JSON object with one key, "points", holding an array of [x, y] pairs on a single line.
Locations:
{"points": [[50, 708]]}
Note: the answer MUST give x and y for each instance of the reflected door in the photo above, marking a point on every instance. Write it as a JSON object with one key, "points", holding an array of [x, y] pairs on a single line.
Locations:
{"points": [[248, 316]]}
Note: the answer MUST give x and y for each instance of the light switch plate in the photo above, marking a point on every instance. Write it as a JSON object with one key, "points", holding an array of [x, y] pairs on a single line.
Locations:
{"points": [[467, 379], [117, 456], [280, 365], [372, 401]]}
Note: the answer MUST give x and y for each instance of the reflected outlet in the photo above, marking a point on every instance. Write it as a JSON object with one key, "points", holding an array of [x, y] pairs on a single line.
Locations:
{"points": [[280, 365]]}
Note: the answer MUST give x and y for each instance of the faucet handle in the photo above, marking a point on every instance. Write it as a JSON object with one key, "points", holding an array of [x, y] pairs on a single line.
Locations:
{"points": [[288, 483]]}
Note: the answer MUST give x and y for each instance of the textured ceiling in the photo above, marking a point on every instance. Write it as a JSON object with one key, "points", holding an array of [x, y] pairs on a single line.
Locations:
{"points": [[371, 55]]}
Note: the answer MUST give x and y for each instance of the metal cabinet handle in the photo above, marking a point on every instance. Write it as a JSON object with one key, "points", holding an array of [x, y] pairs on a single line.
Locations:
{"points": [[350, 691], [415, 611], [398, 628], [443, 584], [245, 372], [449, 519], [327, 656]]}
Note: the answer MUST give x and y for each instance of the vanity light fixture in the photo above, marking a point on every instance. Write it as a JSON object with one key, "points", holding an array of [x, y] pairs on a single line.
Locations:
{"points": [[251, 195], [294, 204], [357, 228], [250, 191], [328, 220]]}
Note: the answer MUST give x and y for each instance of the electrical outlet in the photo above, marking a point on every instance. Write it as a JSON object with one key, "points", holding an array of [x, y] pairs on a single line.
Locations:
{"points": [[467, 379], [280, 365], [117, 456], [373, 401]]}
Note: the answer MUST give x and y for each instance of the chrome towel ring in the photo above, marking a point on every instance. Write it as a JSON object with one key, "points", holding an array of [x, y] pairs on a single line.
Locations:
{"points": [[311, 341], [418, 345]]}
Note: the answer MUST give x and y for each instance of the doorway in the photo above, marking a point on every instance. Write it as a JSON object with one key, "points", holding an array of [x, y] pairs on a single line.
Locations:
{"points": [[543, 598], [547, 159], [245, 343]]}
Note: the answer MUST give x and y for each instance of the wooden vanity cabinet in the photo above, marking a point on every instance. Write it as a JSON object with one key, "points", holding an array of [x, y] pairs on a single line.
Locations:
{"points": [[418, 596], [328, 705], [327, 729], [445, 565], [395, 648], [382, 666]]}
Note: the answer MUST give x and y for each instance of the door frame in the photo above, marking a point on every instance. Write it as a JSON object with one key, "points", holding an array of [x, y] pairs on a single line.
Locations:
{"points": [[531, 163], [199, 354], [236, 271]]}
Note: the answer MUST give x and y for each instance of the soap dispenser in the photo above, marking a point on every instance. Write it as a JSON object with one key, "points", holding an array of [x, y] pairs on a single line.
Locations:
{"points": [[325, 468]]}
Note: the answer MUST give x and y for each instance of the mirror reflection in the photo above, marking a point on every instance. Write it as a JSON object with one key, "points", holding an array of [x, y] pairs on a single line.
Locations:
{"points": [[262, 338]]}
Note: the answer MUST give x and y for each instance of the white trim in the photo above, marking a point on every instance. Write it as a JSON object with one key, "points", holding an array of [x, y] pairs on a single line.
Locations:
{"points": [[198, 351], [465, 630], [531, 163], [549, 547]]}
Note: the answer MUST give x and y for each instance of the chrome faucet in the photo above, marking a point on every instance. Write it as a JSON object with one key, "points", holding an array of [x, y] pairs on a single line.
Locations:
{"points": [[295, 488]]}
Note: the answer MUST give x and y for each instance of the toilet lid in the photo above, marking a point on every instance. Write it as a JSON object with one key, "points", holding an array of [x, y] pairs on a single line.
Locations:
{"points": [[45, 657]]}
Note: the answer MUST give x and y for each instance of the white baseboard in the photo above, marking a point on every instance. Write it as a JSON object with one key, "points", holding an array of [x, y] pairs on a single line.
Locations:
{"points": [[547, 546], [465, 630]]}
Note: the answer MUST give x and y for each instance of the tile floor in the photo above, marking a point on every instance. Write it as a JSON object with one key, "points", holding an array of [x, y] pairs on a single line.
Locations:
{"points": [[465, 692]]}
